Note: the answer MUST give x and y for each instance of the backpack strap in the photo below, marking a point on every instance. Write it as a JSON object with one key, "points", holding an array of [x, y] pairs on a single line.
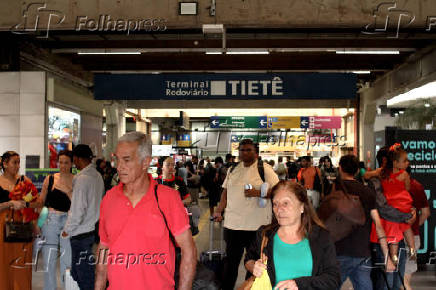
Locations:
{"points": [[233, 166], [261, 169], [172, 238]]}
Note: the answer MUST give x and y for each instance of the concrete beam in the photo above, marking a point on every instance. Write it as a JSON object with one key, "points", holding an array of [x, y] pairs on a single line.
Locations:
{"points": [[66, 15], [419, 68], [246, 104]]}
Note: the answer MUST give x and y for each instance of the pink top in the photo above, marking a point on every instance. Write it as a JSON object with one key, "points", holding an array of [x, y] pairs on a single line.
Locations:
{"points": [[141, 254]]}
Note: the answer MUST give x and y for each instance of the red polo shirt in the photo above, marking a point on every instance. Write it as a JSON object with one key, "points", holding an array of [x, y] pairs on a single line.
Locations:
{"points": [[141, 254], [419, 201]]}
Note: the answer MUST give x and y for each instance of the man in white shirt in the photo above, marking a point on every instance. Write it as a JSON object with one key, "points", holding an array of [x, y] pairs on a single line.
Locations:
{"points": [[88, 190], [245, 209]]}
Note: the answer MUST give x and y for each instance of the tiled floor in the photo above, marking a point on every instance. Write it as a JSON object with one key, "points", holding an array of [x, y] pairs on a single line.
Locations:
{"points": [[420, 281]]}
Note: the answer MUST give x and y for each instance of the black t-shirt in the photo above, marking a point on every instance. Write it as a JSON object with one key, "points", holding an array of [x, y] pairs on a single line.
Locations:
{"points": [[357, 243], [176, 183]]}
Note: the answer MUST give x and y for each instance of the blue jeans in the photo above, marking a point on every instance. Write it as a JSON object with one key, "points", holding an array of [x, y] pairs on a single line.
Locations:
{"points": [[358, 270], [394, 279], [53, 246], [83, 262]]}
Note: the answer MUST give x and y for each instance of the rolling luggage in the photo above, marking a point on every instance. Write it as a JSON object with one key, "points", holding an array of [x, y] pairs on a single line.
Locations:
{"points": [[213, 259]]}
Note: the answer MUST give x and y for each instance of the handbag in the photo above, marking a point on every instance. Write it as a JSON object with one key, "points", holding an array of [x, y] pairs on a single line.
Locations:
{"points": [[258, 283], [341, 213], [17, 232]]}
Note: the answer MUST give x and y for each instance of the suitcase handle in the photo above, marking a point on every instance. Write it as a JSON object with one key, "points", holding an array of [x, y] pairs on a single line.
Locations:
{"points": [[211, 238]]}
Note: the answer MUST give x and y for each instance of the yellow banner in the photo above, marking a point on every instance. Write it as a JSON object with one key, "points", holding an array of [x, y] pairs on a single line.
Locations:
{"points": [[183, 143]]}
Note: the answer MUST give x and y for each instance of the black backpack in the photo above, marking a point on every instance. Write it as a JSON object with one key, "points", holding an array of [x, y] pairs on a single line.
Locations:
{"points": [[260, 169]]}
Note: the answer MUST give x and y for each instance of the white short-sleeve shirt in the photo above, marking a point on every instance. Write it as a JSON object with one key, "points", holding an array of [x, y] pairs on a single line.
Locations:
{"points": [[243, 213]]}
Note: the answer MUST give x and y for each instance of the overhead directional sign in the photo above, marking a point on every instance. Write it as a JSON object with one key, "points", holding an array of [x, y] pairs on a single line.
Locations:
{"points": [[304, 122], [331, 122], [325, 122], [283, 122], [260, 138], [238, 122]]}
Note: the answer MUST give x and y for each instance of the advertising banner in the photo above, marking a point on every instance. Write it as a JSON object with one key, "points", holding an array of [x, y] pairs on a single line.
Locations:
{"points": [[421, 148]]}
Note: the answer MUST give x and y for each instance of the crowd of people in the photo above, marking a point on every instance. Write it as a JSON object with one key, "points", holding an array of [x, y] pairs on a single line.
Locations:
{"points": [[144, 226]]}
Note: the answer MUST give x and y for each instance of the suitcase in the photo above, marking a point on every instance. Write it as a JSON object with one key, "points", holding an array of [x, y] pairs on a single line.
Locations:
{"points": [[213, 259]]}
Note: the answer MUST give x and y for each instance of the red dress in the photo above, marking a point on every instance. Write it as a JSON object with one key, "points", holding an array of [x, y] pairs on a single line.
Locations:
{"points": [[398, 197]]}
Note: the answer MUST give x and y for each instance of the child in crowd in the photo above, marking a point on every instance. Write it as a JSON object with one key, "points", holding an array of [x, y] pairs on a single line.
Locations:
{"points": [[396, 184]]}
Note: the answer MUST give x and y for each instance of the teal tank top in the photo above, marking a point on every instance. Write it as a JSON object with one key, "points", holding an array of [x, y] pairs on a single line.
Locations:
{"points": [[292, 260]]}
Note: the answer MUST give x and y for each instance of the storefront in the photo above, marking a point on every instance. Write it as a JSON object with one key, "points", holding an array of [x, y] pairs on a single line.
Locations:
{"points": [[63, 131]]}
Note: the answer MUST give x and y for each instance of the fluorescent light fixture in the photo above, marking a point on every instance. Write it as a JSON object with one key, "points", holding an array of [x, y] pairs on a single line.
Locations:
{"points": [[426, 91], [213, 28], [188, 8], [361, 72], [427, 105], [214, 52], [107, 52], [367, 52], [247, 52]]}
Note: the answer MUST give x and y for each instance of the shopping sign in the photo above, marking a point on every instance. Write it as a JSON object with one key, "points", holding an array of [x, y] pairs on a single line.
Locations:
{"points": [[238, 122]]}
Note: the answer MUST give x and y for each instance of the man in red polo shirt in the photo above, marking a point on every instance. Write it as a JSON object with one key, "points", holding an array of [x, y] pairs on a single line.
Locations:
{"points": [[136, 251]]}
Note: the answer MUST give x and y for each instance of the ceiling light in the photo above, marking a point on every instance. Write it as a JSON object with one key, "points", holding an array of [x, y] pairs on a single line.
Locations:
{"points": [[427, 105], [213, 28], [247, 52], [214, 52], [361, 72], [367, 52], [401, 112], [107, 52], [424, 92]]}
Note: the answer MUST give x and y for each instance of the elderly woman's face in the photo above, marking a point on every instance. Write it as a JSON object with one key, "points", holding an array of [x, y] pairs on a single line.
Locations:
{"points": [[287, 208], [168, 167]]}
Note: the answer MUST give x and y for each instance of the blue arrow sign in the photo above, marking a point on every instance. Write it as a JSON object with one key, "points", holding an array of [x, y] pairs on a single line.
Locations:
{"points": [[263, 122], [304, 123], [214, 122]]}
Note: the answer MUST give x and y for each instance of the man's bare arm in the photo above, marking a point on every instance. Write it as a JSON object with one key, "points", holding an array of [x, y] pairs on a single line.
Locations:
{"points": [[101, 268], [188, 263], [425, 214], [382, 240], [217, 215]]}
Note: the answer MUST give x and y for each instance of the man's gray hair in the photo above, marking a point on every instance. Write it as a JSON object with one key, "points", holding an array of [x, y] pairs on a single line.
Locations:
{"points": [[143, 140]]}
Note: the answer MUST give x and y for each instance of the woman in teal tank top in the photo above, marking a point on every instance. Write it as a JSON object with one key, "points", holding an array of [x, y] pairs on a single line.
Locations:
{"points": [[300, 254]]}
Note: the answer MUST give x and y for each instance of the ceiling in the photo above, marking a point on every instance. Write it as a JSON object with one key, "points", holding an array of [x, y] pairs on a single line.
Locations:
{"points": [[184, 50]]}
